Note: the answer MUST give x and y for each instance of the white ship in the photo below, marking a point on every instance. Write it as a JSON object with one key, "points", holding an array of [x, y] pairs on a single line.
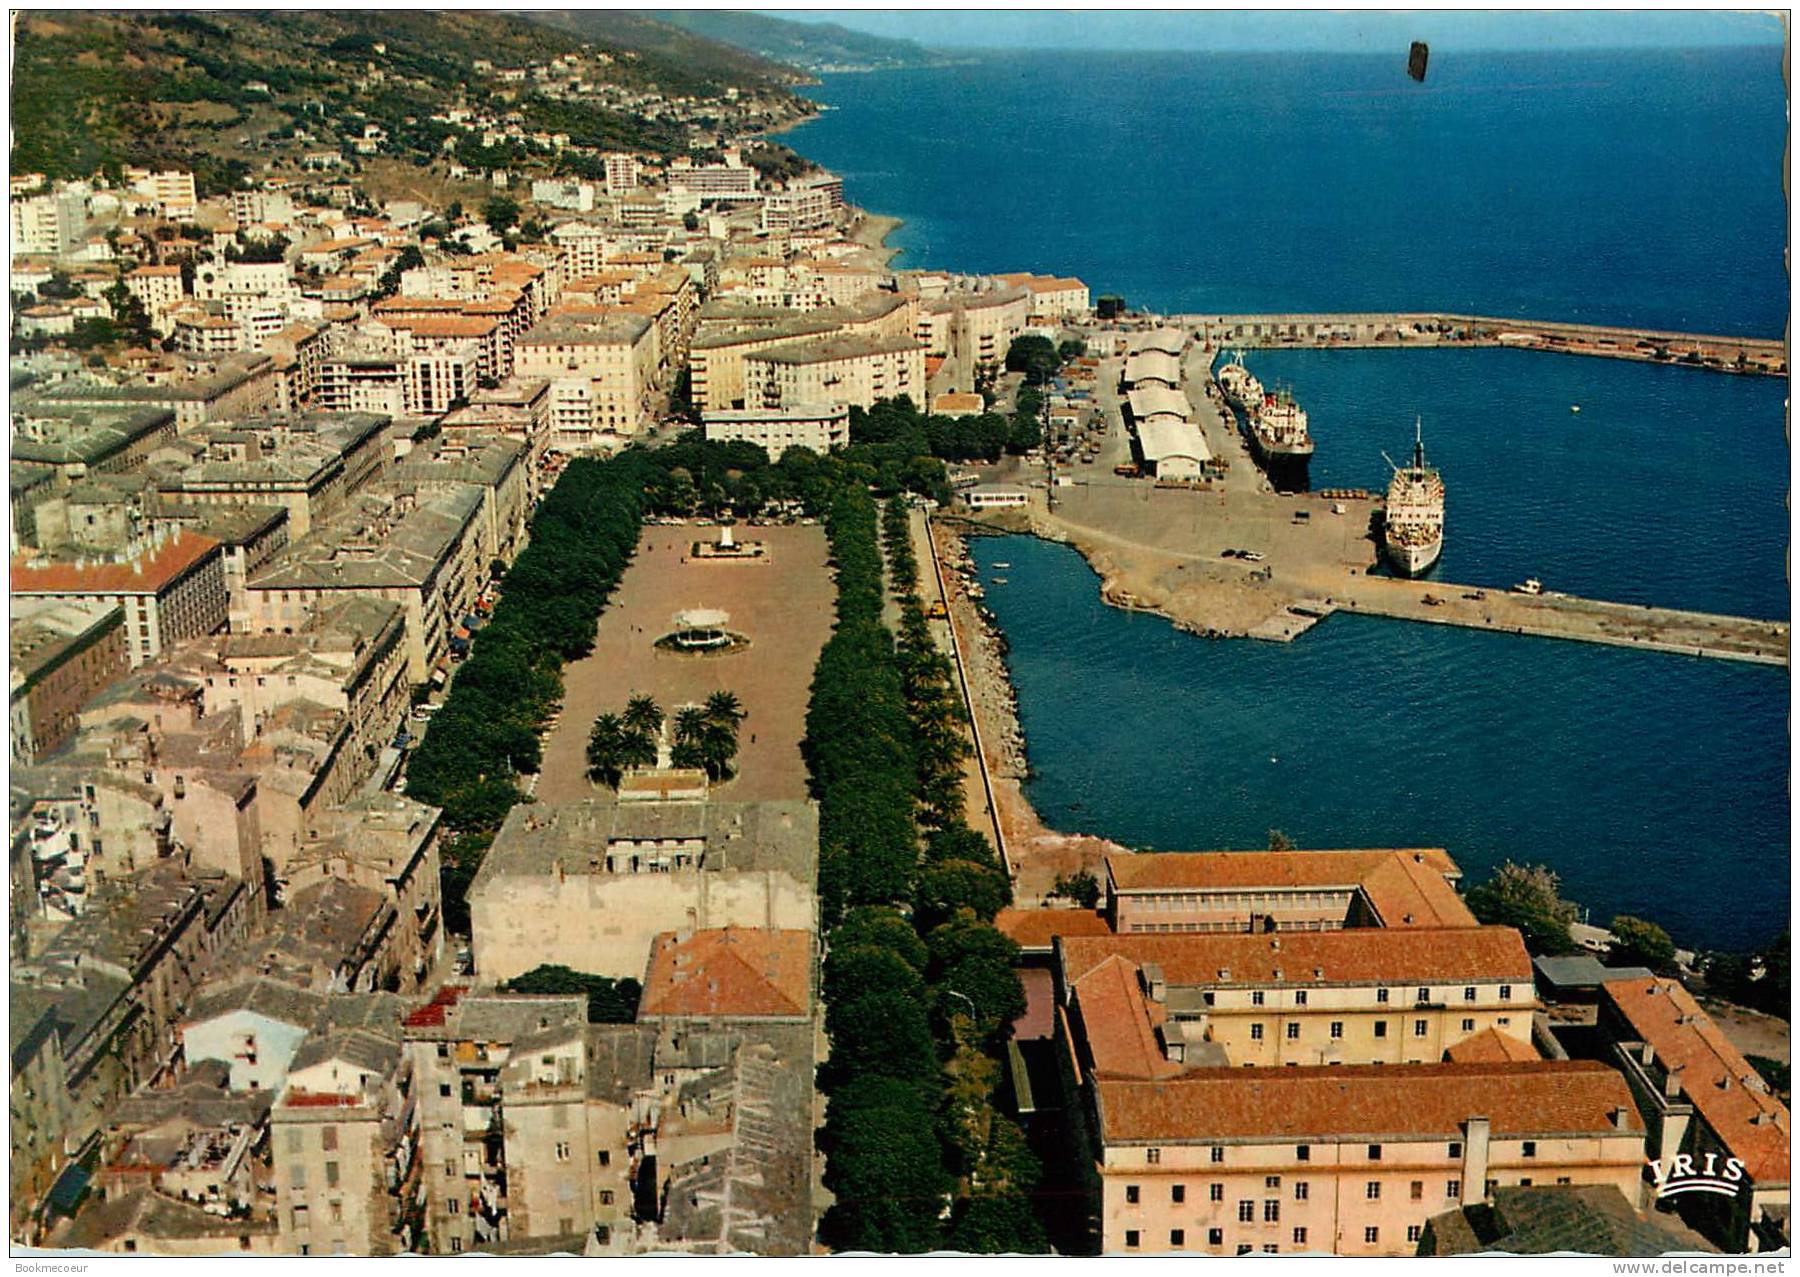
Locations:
{"points": [[1242, 390], [1413, 532], [1279, 430]]}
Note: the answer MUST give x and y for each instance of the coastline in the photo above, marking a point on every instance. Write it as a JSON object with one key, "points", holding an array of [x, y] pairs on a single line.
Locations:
{"points": [[872, 231]]}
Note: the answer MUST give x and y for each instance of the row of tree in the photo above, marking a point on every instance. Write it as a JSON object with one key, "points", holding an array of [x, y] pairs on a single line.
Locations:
{"points": [[485, 735], [980, 438], [919, 987]]}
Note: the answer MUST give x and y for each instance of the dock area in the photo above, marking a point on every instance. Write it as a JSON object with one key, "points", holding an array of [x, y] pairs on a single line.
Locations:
{"points": [[1757, 356]]}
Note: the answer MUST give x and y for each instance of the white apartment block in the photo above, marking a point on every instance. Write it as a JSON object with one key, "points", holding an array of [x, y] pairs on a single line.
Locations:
{"points": [[821, 428], [48, 225], [852, 370]]}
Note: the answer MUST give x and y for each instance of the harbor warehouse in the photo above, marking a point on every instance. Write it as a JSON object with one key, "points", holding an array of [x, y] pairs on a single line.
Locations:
{"points": [[605, 878]]}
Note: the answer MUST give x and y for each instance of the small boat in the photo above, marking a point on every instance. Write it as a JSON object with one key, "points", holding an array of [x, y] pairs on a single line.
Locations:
{"points": [[1574, 407], [1003, 566], [1530, 585], [999, 580]]}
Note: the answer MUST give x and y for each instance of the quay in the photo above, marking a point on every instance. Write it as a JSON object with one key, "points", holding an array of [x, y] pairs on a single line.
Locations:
{"points": [[1436, 329]]}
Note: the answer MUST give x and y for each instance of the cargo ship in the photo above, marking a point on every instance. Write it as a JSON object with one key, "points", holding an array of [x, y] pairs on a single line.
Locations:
{"points": [[1279, 431], [1413, 528], [1241, 388]]}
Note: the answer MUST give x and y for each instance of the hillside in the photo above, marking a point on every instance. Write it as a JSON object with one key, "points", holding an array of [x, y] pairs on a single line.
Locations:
{"points": [[722, 61], [230, 93], [812, 46]]}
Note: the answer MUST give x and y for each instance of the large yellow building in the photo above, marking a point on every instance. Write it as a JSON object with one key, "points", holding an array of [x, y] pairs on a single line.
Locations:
{"points": [[1348, 1160], [1369, 996]]}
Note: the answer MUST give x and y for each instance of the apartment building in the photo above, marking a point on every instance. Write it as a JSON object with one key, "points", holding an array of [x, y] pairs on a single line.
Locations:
{"points": [[62, 654], [615, 357], [429, 553], [309, 464], [822, 428], [172, 588], [1346, 1159], [852, 370], [1701, 1099]]}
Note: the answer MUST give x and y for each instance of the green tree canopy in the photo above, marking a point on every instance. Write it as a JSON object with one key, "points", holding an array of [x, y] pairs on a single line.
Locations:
{"points": [[1526, 897], [1641, 944]]}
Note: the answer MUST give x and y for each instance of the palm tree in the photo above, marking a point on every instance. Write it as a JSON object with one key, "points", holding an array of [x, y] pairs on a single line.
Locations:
{"points": [[689, 723], [718, 746], [644, 715], [723, 705], [606, 750], [638, 749]]}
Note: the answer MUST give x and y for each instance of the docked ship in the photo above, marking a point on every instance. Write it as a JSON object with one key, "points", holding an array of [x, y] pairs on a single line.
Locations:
{"points": [[1413, 530], [1241, 388], [1279, 429]]}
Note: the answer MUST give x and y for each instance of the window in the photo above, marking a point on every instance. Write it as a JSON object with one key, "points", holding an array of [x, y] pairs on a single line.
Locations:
{"points": [[1246, 1212], [328, 1138], [297, 1178], [1177, 1237], [1468, 1026], [1337, 1029], [443, 1050], [1131, 1237], [1372, 1191], [562, 1150], [1293, 1031], [1153, 1156], [337, 1212], [1492, 1184], [1453, 1189], [1371, 1235], [1529, 1149], [456, 1245], [1270, 1248], [1303, 1152], [1178, 1193], [1525, 1182], [1562, 1179], [454, 1206], [606, 1197], [1418, 1190], [1299, 997], [1381, 995], [1420, 1027], [1216, 1193], [1215, 1237], [449, 1169], [1244, 1248], [1301, 1189], [1272, 1212], [1374, 1152], [331, 1174], [1256, 998], [1506, 993], [294, 1135], [1256, 1033], [443, 1090], [1131, 1194], [1455, 1148], [1381, 1028], [602, 1234], [1218, 1155], [1413, 1232], [1468, 993], [1271, 1181], [1424, 995], [1299, 1237]]}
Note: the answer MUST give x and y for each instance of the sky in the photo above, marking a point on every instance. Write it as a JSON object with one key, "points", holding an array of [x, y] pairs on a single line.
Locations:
{"points": [[1345, 31]]}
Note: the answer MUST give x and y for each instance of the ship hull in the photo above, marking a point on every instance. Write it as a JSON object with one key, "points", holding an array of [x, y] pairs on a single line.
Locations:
{"points": [[1270, 451], [1412, 560]]}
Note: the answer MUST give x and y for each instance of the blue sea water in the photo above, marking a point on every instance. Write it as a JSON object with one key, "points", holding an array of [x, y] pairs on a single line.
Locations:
{"points": [[1669, 487], [1654, 784], [1639, 187]]}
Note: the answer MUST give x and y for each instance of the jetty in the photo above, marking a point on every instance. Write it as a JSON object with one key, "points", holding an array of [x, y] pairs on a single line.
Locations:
{"points": [[1416, 330]]}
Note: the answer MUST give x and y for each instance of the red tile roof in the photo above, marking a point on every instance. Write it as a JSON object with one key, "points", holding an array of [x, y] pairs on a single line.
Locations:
{"points": [[1490, 1046], [1726, 1092], [1537, 1098], [1406, 886], [1364, 955], [1036, 928], [147, 574], [1119, 1024], [732, 971]]}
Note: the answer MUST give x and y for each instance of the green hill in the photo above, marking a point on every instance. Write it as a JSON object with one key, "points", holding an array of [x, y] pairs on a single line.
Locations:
{"points": [[812, 46], [96, 91]]}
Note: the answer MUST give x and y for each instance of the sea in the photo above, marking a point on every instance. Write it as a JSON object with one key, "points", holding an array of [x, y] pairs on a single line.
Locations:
{"points": [[1639, 187]]}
